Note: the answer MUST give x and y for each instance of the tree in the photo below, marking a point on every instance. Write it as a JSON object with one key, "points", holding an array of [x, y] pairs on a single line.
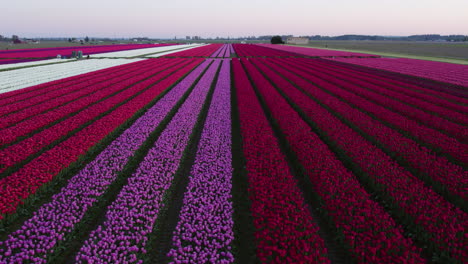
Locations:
{"points": [[86, 39], [15, 39], [69, 40], [277, 40]]}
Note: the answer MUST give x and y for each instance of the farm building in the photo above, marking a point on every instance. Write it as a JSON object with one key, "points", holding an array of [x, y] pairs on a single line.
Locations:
{"points": [[297, 40]]}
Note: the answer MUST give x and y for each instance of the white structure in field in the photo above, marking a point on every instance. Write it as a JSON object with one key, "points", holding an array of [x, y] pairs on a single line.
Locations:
{"points": [[297, 40]]}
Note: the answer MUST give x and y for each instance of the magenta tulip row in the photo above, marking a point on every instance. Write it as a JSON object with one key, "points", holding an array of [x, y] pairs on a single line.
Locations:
{"points": [[131, 217], [50, 224], [285, 230], [25, 181], [440, 71], [422, 133], [203, 51], [18, 152], [443, 221], [451, 176], [224, 51], [368, 229], [312, 52], [250, 50], [407, 90], [63, 94], [84, 101], [396, 102], [39, 90], [205, 232], [67, 51], [445, 118]]}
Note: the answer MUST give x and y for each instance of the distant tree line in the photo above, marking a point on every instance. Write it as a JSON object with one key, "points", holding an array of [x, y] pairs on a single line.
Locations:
{"points": [[429, 37]]}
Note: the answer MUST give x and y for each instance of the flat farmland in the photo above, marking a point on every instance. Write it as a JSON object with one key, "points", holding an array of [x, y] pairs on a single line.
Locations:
{"points": [[451, 52], [234, 153]]}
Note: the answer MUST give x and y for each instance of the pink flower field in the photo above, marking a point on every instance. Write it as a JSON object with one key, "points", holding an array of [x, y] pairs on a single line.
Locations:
{"points": [[234, 153]]}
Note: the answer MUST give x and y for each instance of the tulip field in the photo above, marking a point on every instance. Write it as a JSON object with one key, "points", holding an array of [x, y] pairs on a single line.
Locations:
{"points": [[233, 153]]}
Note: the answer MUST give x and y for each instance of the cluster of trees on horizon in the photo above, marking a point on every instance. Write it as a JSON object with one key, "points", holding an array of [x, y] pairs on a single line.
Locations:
{"points": [[426, 37]]}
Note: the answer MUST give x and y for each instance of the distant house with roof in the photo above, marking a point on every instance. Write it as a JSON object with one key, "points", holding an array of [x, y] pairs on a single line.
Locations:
{"points": [[297, 40]]}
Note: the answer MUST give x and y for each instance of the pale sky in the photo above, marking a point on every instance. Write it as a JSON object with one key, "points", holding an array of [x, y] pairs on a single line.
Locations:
{"points": [[210, 18]]}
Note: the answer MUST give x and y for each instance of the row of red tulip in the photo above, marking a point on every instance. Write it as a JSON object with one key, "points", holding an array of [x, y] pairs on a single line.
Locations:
{"points": [[55, 221], [20, 151], [377, 84], [440, 71], [314, 52], [368, 230], [250, 50], [393, 84], [420, 111], [442, 221], [22, 123], [450, 91], [61, 84], [439, 169], [67, 51], [203, 51], [420, 132], [58, 91], [285, 231], [24, 182]]}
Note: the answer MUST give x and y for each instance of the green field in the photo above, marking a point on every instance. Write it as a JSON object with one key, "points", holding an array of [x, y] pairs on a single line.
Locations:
{"points": [[435, 51]]}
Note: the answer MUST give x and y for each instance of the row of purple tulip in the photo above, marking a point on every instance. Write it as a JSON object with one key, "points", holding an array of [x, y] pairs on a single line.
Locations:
{"points": [[205, 230], [224, 51], [54, 220], [131, 217]]}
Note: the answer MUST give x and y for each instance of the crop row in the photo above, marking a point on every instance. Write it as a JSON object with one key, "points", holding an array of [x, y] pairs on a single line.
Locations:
{"points": [[176, 159], [313, 52], [123, 91], [29, 101], [224, 51], [204, 232], [19, 95], [423, 112], [131, 217], [142, 52], [22, 78], [15, 64], [382, 110], [439, 169], [368, 230], [57, 219], [285, 230], [440, 71], [421, 93], [67, 51], [441, 220], [250, 50], [23, 182], [203, 51], [52, 106]]}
